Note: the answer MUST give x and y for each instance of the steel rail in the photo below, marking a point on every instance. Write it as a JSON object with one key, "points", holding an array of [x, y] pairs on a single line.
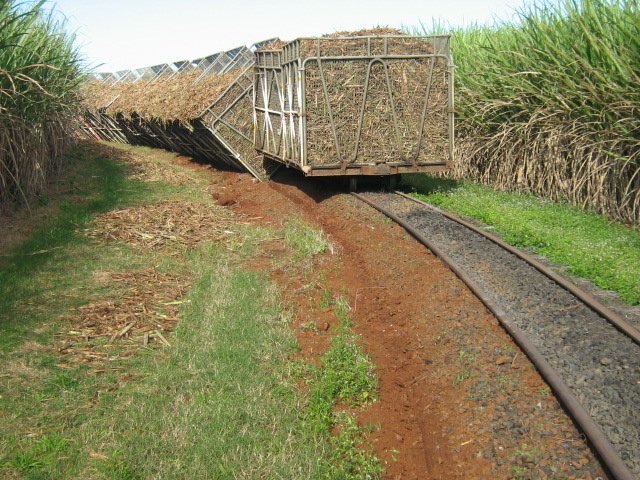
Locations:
{"points": [[592, 302], [601, 445]]}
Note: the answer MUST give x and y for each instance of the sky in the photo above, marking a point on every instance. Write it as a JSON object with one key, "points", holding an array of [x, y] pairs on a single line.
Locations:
{"points": [[123, 34]]}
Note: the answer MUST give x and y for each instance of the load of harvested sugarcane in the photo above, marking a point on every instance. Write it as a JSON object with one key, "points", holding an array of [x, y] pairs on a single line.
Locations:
{"points": [[372, 102]]}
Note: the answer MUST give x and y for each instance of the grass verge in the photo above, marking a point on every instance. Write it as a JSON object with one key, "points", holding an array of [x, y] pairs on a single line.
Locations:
{"points": [[221, 405], [587, 244], [95, 185], [218, 398]]}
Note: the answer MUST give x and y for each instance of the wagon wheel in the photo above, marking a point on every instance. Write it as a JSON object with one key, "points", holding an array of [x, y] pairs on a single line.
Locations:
{"points": [[391, 182]]}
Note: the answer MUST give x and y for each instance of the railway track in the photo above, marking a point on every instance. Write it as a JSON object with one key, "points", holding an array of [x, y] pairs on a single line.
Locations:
{"points": [[588, 354]]}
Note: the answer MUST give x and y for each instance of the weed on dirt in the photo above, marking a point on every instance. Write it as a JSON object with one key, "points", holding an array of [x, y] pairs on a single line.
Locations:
{"points": [[304, 240], [346, 378]]}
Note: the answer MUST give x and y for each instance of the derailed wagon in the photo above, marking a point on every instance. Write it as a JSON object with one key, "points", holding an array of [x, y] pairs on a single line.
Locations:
{"points": [[356, 105], [202, 108]]}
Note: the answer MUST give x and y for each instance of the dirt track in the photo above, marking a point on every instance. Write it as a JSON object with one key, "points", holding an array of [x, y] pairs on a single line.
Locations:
{"points": [[457, 398]]}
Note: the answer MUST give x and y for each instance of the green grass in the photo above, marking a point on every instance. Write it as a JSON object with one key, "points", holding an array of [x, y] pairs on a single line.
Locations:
{"points": [[305, 240], [218, 404], [348, 460], [43, 407], [587, 244], [96, 185], [221, 402], [346, 376]]}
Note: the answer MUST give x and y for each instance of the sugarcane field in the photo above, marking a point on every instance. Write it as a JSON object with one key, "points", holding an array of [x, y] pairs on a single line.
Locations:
{"points": [[340, 240]]}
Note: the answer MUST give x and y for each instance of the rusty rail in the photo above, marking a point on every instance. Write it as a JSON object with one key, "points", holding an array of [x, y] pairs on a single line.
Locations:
{"points": [[589, 300]]}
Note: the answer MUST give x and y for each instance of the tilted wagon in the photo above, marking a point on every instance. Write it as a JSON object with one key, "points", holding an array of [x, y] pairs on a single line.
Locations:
{"points": [[140, 110]]}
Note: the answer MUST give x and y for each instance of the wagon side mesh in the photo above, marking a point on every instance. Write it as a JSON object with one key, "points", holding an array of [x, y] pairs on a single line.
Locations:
{"points": [[356, 101]]}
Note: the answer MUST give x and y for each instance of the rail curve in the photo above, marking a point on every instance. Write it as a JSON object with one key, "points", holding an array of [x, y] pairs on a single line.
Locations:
{"points": [[588, 354]]}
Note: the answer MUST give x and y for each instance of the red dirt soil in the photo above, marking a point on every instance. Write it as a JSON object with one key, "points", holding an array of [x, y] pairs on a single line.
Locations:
{"points": [[435, 346]]}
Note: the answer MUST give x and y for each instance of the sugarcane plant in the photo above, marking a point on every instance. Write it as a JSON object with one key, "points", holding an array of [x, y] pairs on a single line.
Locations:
{"points": [[549, 103], [40, 72]]}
